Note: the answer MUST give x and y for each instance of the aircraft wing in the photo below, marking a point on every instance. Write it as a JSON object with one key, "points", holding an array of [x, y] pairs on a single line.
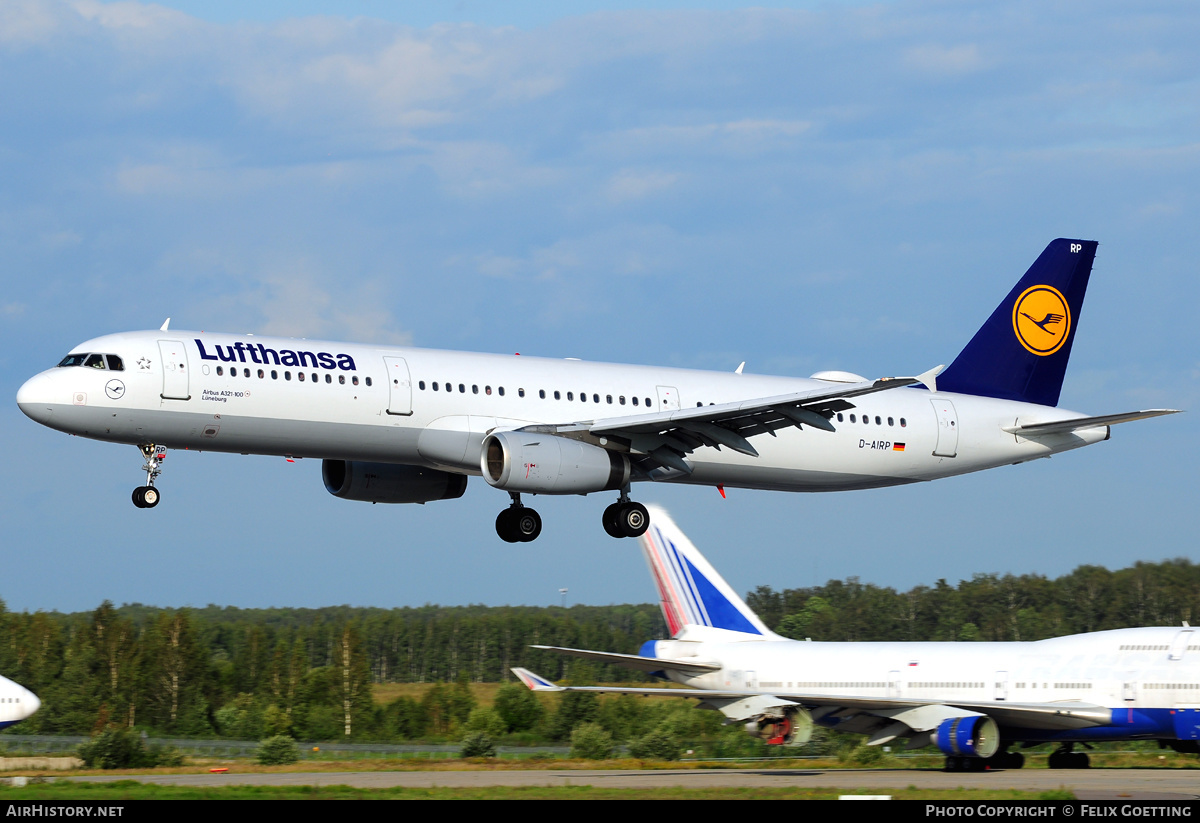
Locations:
{"points": [[1076, 423], [668, 435], [633, 661], [1065, 715]]}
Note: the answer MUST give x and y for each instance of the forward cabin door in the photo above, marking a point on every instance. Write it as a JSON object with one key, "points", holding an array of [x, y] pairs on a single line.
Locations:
{"points": [[947, 437], [173, 356], [399, 386]]}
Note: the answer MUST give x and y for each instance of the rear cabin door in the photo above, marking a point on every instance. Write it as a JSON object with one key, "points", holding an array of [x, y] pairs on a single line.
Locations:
{"points": [[947, 437], [173, 356], [399, 386]]}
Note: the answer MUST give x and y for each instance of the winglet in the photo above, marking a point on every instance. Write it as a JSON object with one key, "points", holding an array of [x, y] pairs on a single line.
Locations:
{"points": [[535, 682], [929, 378], [165, 324], [738, 370]]}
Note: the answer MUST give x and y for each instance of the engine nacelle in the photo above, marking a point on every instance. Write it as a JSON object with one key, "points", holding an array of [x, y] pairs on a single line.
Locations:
{"points": [[789, 727], [972, 736], [547, 464], [389, 482]]}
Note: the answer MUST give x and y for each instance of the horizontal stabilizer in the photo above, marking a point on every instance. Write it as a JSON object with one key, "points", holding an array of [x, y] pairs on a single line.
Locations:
{"points": [[633, 661], [1076, 423]]}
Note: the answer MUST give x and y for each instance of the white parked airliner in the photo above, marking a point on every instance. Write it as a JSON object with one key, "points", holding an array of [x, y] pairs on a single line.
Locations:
{"points": [[972, 700], [401, 425], [16, 703]]}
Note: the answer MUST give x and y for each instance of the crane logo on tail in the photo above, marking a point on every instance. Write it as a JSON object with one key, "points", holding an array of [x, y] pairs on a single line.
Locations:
{"points": [[1042, 320]]}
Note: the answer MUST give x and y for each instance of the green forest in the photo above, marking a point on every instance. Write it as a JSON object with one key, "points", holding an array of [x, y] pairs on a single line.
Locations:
{"points": [[314, 673]]}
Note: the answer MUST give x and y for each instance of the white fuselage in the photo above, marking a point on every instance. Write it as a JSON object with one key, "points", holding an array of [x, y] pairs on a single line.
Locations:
{"points": [[300, 398], [1148, 677]]}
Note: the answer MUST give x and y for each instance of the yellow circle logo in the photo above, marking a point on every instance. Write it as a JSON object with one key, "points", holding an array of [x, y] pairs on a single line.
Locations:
{"points": [[1042, 320]]}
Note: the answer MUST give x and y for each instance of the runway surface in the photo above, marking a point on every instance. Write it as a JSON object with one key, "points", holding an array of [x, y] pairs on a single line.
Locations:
{"points": [[1087, 784]]}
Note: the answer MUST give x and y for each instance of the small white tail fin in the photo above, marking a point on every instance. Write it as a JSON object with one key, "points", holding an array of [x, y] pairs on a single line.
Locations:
{"points": [[689, 589]]}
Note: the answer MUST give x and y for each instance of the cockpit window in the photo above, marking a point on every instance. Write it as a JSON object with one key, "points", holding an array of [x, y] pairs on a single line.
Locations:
{"points": [[94, 361]]}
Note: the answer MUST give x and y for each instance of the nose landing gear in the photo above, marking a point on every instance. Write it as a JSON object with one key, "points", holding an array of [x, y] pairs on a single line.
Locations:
{"points": [[147, 497]]}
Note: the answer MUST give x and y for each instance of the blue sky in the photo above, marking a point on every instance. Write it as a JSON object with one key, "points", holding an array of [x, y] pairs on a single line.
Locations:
{"points": [[821, 186]]}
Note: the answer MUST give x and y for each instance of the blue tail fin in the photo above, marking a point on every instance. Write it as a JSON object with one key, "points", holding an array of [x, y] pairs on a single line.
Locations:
{"points": [[1021, 352]]}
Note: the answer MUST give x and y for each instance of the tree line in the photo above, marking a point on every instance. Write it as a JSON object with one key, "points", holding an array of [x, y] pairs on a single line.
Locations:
{"points": [[310, 673]]}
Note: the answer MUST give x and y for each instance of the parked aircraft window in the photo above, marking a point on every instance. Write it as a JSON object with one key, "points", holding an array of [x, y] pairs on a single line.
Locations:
{"points": [[520, 392], [648, 404], [596, 398], [261, 374], [698, 405], [487, 390], [354, 380], [329, 378], [903, 422], [542, 393], [635, 401], [852, 420], [557, 396], [839, 417], [287, 375], [570, 395], [368, 380], [96, 361], [316, 377], [474, 389], [245, 372], [501, 390], [420, 384], [462, 388], [300, 376], [622, 399], [114, 363], [342, 379], [891, 421], [274, 374], [583, 397], [220, 371], [72, 360], [878, 422]]}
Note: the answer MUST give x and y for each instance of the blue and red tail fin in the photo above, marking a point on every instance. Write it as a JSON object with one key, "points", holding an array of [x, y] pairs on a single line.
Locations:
{"points": [[1021, 352], [689, 589]]}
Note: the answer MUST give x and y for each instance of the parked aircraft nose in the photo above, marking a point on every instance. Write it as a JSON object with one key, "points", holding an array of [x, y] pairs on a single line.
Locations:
{"points": [[29, 703], [36, 398]]}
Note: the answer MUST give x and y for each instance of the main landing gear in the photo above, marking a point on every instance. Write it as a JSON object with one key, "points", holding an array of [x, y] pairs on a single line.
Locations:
{"points": [[147, 497], [626, 518], [518, 523], [1065, 757]]}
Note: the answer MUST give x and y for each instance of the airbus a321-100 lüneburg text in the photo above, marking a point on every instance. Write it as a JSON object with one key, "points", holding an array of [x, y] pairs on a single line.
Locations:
{"points": [[396, 425], [974, 701]]}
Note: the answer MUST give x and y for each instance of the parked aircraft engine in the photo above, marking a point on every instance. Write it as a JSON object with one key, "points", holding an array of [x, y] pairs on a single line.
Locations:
{"points": [[788, 727], [547, 464], [389, 482], [971, 736]]}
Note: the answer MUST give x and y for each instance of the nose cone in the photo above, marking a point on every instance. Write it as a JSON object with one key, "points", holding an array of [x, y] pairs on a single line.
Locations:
{"points": [[29, 703], [36, 398]]}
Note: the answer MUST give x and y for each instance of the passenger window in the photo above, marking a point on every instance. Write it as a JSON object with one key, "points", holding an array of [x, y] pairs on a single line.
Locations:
{"points": [[474, 390], [542, 393], [315, 377], [287, 375], [435, 386], [261, 374], [274, 374], [354, 380], [570, 395], [596, 398], [583, 397], [329, 378], [462, 389], [878, 422], [903, 422], [622, 399], [852, 419], [342, 380], [608, 397], [502, 392], [220, 371], [557, 396], [487, 390], [840, 418], [520, 392], [300, 376], [368, 381], [246, 372], [114, 363], [648, 403], [420, 385], [635, 401], [891, 421]]}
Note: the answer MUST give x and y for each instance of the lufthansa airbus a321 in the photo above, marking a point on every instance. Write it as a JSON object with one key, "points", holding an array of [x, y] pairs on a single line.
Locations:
{"points": [[402, 425]]}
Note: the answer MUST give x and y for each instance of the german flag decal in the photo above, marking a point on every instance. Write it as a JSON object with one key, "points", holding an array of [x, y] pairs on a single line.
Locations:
{"points": [[897, 447]]}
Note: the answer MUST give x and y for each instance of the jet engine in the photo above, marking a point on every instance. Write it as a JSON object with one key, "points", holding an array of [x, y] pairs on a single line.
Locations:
{"points": [[971, 736], [389, 482], [787, 727], [547, 464]]}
